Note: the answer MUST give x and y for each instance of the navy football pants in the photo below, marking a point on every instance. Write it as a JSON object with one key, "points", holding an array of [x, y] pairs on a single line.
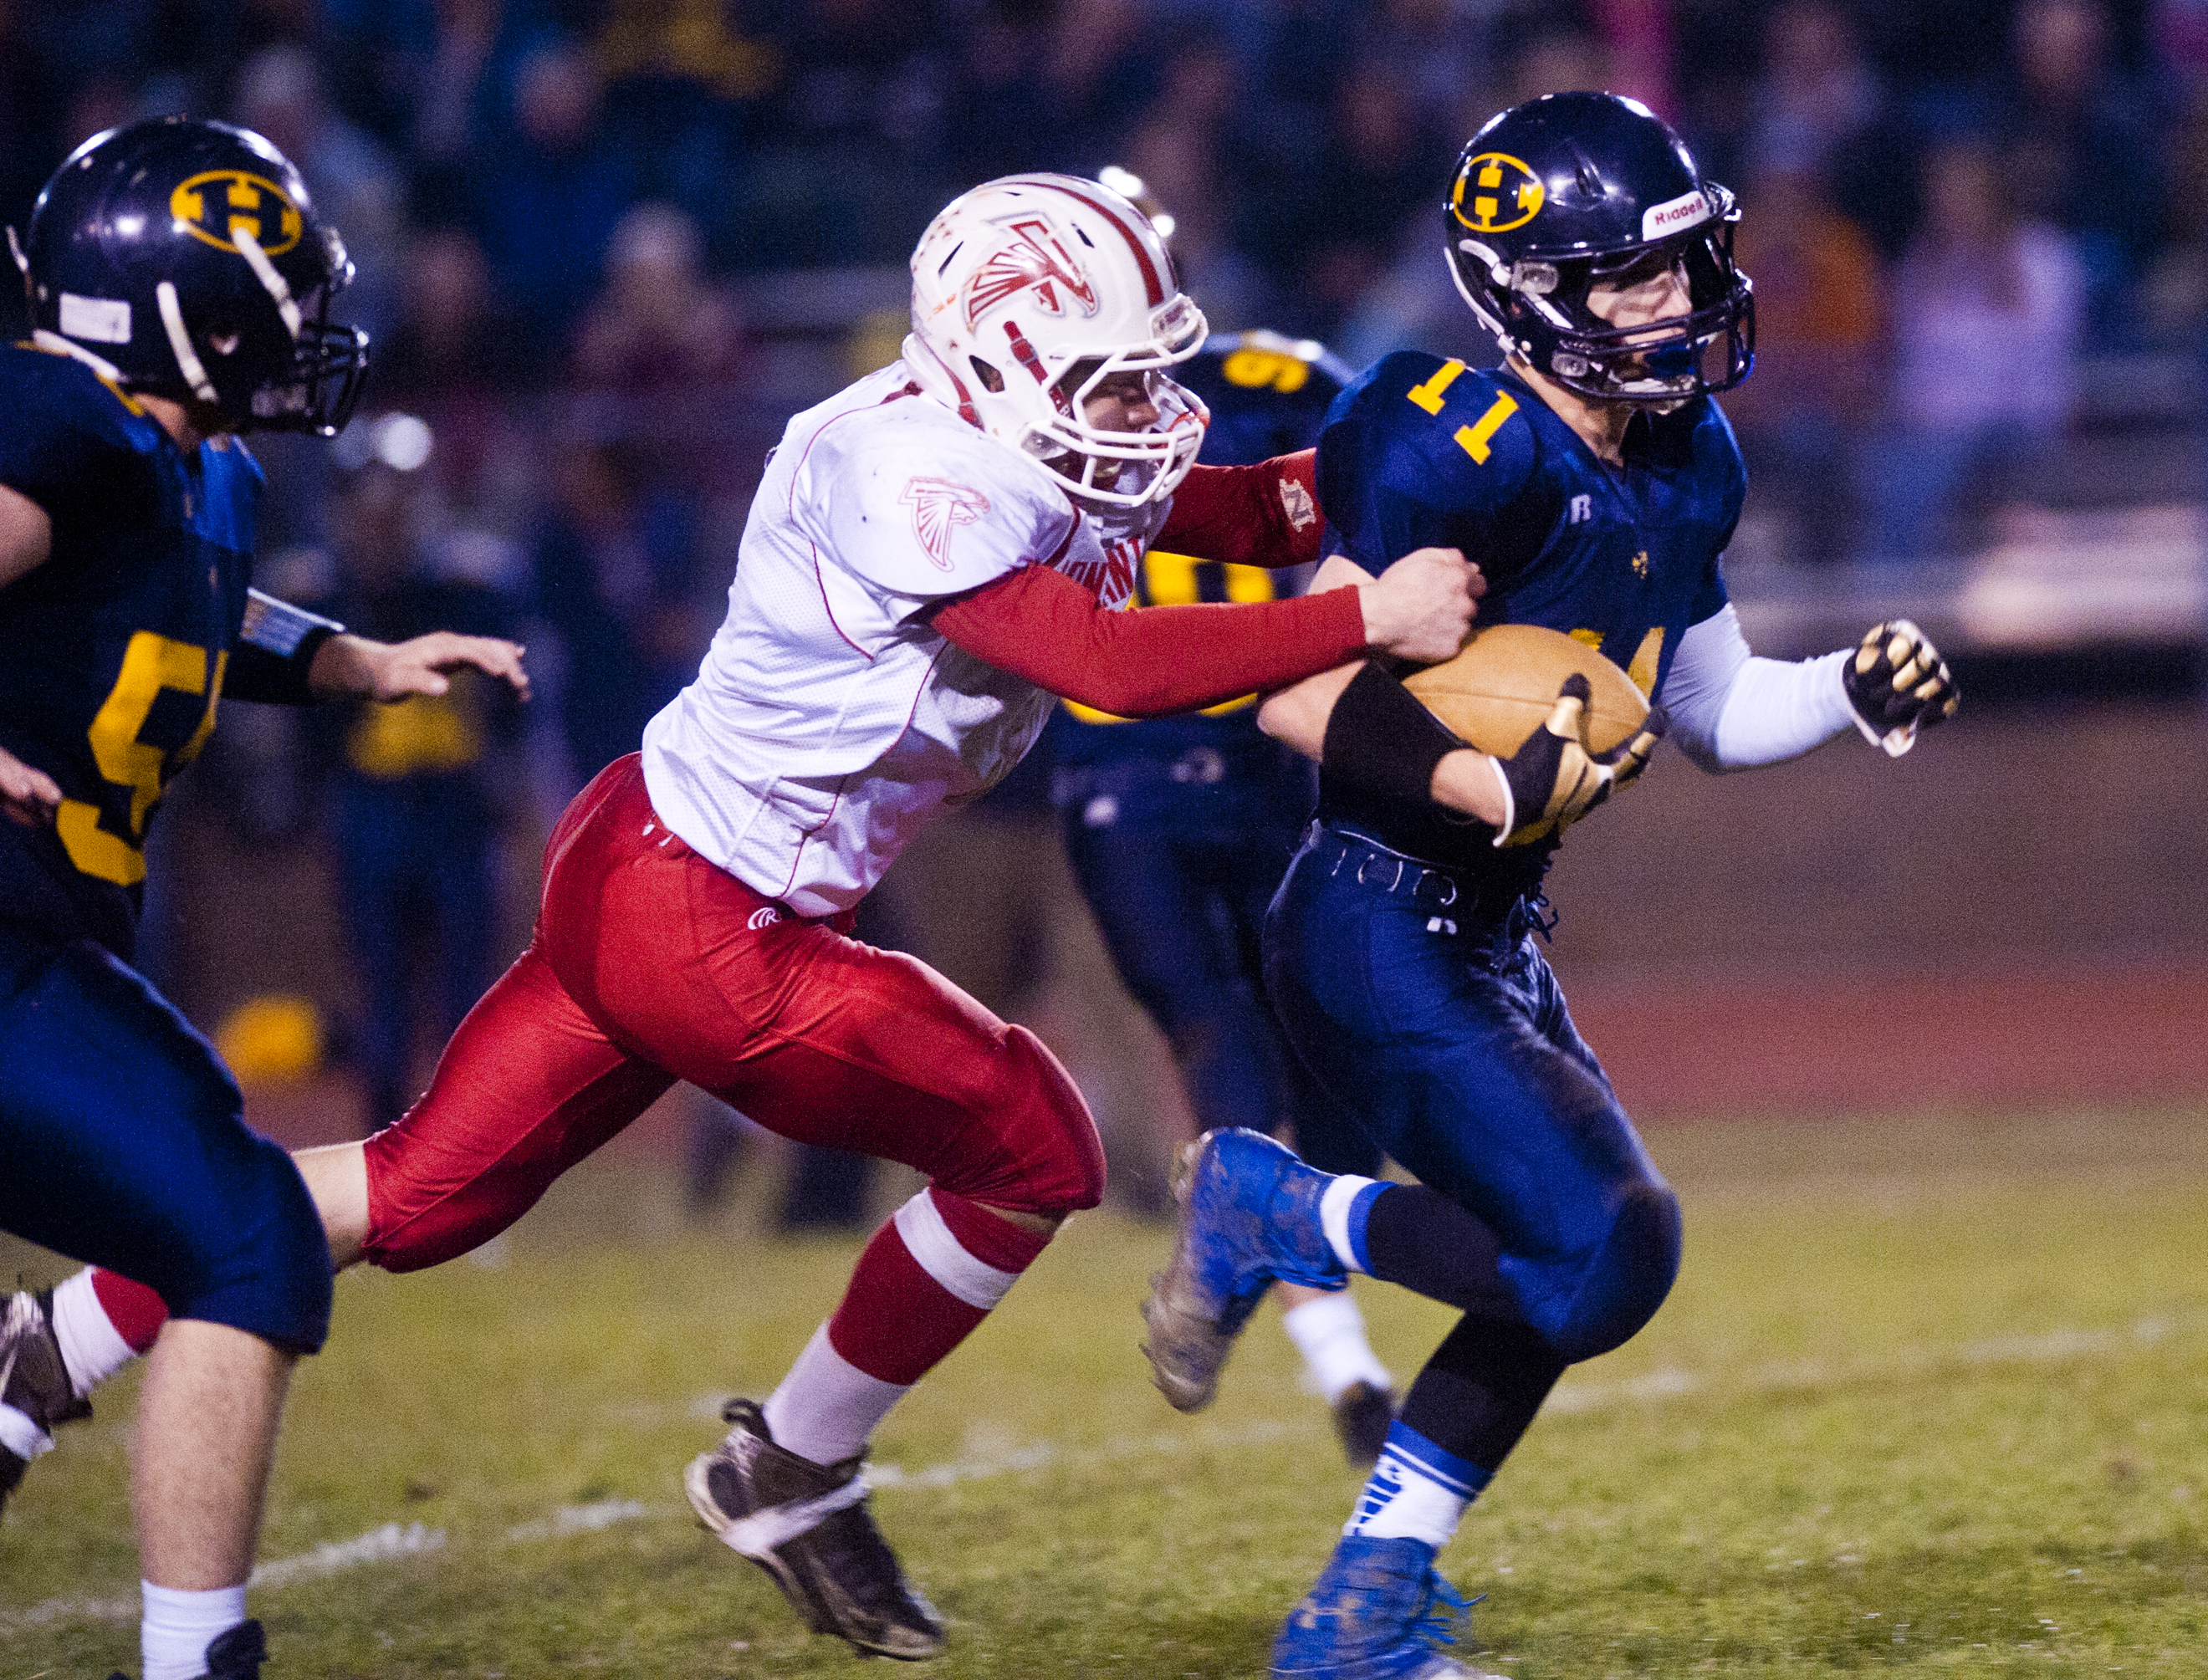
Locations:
{"points": [[1544, 1218], [123, 1144]]}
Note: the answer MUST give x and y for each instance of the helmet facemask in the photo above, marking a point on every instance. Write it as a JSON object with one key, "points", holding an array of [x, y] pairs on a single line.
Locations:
{"points": [[322, 362], [1538, 309], [1030, 294]]}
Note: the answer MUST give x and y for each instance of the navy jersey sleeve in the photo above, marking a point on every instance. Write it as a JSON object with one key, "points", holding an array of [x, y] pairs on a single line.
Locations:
{"points": [[1716, 447], [1420, 453], [60, 441]]}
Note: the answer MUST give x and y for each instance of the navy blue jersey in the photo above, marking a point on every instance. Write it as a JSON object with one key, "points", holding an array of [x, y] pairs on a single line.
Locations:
{"points": [[111, 652], [1420, 453], [1268, 396]]}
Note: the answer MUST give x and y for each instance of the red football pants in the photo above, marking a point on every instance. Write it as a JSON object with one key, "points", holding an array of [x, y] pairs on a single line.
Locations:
{"points": [[651, 965]]}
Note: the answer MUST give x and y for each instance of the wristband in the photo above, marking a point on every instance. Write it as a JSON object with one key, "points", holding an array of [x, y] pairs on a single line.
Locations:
{"points": [[1380, 739], [275, 651]]}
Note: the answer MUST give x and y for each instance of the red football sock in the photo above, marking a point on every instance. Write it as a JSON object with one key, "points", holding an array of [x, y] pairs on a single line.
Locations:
{"points": [[925, 1280], [135, 1311]]}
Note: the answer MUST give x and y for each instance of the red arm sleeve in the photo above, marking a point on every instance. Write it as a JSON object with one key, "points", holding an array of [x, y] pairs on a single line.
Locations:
{"points": [[1262, 515], [1040, 625]]}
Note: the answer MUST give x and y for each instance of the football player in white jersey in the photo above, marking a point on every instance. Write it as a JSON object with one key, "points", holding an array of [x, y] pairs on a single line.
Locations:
{"points": [[934, 553]]}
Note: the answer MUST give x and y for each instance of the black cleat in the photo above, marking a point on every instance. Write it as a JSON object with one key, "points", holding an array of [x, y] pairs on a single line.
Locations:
{"points": [[238, 1655], [33, 1378], [1362, 1418], [806, 1525]]}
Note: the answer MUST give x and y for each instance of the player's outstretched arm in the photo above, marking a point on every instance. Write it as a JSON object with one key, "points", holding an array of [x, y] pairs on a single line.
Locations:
{"points": [[1733, 711], [350, 665], [1897, 684], [1039, 624]]}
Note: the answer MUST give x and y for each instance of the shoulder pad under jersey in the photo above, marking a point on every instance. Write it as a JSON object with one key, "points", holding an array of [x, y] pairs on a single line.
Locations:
{"points": [[64, 430], [917, 502], [1420, 450]]}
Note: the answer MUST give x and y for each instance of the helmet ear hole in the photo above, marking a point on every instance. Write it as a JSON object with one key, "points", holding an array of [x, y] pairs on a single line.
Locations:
{"points": [[992, 381]]}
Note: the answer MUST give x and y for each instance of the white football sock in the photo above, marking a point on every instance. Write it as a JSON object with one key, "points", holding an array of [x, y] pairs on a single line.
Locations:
{"points": [[92, 1349], [1329, 1333], [1334, 1204], [180, 1626], [1416, 1491], [826, 1408]]}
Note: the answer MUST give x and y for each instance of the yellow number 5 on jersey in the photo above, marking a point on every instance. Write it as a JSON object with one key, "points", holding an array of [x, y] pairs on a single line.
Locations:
{"points": [[150, 664]]}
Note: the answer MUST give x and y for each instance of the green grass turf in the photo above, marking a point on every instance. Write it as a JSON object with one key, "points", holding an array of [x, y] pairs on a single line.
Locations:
{"points": [[1929, 1398]]}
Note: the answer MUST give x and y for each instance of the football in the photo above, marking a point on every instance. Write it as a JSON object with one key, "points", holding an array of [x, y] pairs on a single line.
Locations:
{"points": [[1499, 687]]}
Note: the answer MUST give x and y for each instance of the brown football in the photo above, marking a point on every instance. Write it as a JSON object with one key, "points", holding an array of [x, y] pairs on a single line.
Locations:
{"points": [[1499, 687]]}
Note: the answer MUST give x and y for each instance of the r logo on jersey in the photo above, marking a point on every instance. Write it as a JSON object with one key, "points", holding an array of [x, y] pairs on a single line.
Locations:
{"points": [[764, 917], [211, 207], [1582, 510], [1034, 257], [938, 504]]}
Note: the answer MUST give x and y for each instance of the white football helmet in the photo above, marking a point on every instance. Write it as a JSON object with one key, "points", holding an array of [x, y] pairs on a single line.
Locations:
{"points": [[1023, 278]]}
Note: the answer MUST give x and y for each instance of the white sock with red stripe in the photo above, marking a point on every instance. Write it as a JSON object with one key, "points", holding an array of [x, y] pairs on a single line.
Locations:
{"points": [[93, 1345], [926, 1279]]}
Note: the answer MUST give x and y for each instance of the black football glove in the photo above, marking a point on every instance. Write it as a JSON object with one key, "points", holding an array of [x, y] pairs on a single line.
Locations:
{"points": [[1897, 684], [1556, 779]]}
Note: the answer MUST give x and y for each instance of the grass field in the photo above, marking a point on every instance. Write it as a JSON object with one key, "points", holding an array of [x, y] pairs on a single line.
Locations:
{"points": [[1931, 1396]]}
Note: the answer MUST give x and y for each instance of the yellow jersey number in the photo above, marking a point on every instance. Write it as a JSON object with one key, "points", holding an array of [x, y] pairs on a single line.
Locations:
{"points": [[150, 664]]}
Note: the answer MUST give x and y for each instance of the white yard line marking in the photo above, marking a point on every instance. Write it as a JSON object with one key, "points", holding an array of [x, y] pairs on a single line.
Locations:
{"points": [[395, 1541]]}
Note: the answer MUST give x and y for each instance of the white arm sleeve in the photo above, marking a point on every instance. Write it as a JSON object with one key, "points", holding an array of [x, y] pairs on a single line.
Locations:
{"points": [[1731, 710]]}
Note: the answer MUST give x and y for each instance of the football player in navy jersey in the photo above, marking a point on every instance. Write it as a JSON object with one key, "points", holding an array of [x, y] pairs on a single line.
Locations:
{"points": [[1179, 828], [1595, 484], [179, 285]]}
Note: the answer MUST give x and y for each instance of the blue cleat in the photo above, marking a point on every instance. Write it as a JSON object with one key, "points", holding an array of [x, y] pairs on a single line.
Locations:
{"points": [[1377, 1612], [1249, 1214]]}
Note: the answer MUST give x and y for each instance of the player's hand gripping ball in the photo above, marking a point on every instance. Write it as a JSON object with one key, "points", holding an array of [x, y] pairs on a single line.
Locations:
{"points": [[1897, 684], [1564, 725]]}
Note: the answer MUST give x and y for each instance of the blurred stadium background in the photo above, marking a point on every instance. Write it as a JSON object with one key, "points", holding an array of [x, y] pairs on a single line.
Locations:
{"points": [[1922, 1043], [606, 247]]}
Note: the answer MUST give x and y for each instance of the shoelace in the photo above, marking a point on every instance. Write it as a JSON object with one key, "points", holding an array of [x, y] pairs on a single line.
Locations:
{"points": [[1441, 1611]]}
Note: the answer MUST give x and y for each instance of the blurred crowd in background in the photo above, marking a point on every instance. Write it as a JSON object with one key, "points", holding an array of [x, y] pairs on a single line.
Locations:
{"points": [[573, 221]]}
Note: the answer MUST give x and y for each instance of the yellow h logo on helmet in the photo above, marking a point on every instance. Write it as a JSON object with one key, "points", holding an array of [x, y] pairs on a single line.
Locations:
{"points": [[212, 206], [1495, 193]]}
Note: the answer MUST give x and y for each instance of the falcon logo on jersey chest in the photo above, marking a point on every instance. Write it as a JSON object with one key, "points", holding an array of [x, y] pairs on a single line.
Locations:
{"points": [[938, 507]]}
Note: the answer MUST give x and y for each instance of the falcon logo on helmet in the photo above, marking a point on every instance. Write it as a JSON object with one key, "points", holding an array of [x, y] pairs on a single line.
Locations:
{"points": [[938, 506], [1034, 257], [1034, 294]]}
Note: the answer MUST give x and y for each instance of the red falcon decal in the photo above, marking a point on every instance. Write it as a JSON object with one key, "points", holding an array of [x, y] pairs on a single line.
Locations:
{"points": [[937, 505], [1033, 257]]}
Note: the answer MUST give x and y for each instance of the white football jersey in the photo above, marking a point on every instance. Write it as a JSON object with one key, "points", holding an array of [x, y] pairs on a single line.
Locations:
{"points": [[827, 724]]}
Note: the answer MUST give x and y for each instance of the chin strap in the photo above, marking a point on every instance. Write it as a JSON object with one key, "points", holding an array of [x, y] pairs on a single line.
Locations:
{"points": [[265, 271], [180, 341]]}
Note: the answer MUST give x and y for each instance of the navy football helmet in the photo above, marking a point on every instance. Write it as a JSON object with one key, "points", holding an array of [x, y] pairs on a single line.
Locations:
{"points": [[184, 260], [1557, 193]]}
